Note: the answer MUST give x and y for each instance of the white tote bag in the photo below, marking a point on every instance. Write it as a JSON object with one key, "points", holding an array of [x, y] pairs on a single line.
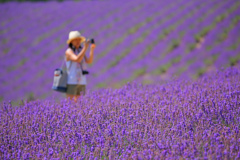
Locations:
{"points": [[60, 78]]}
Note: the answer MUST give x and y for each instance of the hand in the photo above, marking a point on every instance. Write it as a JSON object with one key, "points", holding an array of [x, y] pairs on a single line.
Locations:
{"points": [[93, 46], [86, 43]]}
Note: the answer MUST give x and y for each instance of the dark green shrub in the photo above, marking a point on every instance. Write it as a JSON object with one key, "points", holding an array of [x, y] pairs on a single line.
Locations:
{"points": [[176, 59]]}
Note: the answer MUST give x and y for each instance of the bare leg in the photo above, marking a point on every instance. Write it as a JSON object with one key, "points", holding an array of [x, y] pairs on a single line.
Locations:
{"points": [[69, 96], [76, 98]]}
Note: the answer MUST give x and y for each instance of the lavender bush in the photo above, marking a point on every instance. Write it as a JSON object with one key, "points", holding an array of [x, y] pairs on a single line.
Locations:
{"points": [[179, 119]]}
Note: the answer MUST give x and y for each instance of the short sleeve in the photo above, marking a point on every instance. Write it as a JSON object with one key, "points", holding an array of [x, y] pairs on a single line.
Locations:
{"points": [[68, 49]]}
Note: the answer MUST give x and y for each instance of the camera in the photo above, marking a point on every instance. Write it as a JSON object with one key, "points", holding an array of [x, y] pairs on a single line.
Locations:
{"points": [[92, 41], [84, 72]]}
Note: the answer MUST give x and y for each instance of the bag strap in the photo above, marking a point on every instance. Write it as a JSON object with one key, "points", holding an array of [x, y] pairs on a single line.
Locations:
{"points": [[82, 62], [64, 62], [78, 50], [71, 61]]}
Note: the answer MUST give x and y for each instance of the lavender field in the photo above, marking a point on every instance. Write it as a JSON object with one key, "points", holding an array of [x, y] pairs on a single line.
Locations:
{"points": [[178, 120], [165, 82], [143, 41]]}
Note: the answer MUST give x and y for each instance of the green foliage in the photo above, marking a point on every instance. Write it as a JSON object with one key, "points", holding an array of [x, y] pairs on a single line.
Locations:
{"points": [[208, 48], [234, 60], [220, 18], [2, 1], [166, 31], [215, 56], [191, 47], [189, 62], [149, 19], [169, 30], [204, 32], [169, 16], [191, 26], [144, 34], [137, 7], [6, 50], [222, 37], [201, 71], [135, 28], [175, 43], [11, 68], [211, 60], [176, 59], [148, 49], [141, 39], [41, 73], [145, 52], [182, 33], [198, 38], [236, 20], [40, 38], [200, 19], [145, 82], [162, 69], [181, 70], [24, 0], [208, 62], [23, 61], [161, 36], [30, 97], [57, 39], [4, 41], [108, 26], [101, 85], [2, 31], [138, 40], [3, 23], [21, 40], [116, 42], [138, 73], [119, 57], [234, 7], [234, 45]]}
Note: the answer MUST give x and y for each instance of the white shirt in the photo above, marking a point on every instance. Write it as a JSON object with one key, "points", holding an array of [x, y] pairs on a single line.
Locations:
{"points": [[74, 71]]}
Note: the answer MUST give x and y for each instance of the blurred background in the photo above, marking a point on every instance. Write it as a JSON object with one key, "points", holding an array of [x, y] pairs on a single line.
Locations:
{"points": [[146, 41]]}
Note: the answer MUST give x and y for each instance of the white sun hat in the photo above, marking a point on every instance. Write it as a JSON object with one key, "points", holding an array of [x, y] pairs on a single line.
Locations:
{"points": [[75, 35]]}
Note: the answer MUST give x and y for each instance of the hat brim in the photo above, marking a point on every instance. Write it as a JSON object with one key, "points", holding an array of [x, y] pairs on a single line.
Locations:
{"points": [[83, 39]]}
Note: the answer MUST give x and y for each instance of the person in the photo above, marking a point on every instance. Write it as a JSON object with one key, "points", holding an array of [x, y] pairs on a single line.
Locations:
{"points": [[75, 62]]}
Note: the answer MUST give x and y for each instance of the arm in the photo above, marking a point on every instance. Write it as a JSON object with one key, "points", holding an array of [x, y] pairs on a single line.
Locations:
{"points": [[76, 58], [90, 59]]}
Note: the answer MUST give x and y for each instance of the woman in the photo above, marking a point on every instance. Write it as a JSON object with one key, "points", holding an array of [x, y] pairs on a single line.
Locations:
{"points": [[75, 61]]}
